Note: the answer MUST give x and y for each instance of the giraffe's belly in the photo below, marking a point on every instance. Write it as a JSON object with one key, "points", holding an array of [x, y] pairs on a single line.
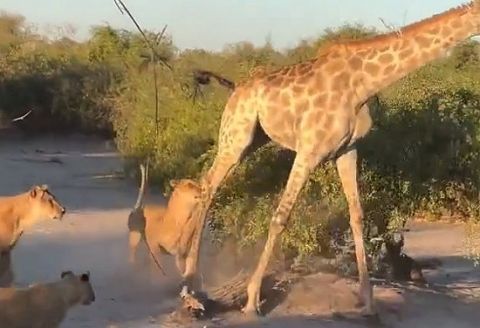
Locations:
{"points": [[280, 131], [363, 124]]}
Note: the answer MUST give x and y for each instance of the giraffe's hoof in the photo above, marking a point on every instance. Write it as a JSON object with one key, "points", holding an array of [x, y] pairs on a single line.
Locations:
{"points": [[372, 318], [251, 311], [369, 312], [192, 281]]}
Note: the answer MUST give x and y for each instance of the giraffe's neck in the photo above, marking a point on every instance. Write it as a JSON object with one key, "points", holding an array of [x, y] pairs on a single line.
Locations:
{"points": [[391, 57]]}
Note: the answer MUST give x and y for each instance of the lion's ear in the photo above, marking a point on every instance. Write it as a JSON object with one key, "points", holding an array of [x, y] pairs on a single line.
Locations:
{"points": [[85, 277], [173, 183], [66, 273]]}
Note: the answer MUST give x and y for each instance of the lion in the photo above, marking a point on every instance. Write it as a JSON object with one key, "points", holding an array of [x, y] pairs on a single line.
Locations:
{"points": [[18, 213], [44, 305], [164, 229]]}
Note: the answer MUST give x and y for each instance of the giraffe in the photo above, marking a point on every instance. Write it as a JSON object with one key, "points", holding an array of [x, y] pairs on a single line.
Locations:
{"points": [[318, 109]]}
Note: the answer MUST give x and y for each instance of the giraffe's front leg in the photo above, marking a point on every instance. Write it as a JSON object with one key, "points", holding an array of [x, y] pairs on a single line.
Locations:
{"points": [[300, 170]]}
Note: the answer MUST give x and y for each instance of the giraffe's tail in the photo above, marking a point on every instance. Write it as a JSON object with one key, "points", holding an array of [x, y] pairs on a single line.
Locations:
{"points": [[204, 77]]}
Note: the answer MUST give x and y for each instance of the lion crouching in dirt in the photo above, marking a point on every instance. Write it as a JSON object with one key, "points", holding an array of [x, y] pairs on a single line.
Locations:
{"points": [[165, 229], [18, 213], [44, 305]]}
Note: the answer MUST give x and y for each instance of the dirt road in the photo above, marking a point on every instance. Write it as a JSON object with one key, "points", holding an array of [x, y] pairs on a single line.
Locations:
{"points": [[93, 237]]}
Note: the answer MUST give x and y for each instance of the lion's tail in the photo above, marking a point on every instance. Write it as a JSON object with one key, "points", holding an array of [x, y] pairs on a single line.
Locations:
{"points": [[143, 182]]}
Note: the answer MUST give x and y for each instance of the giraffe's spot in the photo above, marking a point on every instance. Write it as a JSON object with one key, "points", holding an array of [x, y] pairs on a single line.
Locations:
{"points": [[301, 107], [277, 81], [291, 72], [284, 71], [363, 53], [341, 81], [334, 54], [373, 53], [334, 66], [319, 134], [319, 83], [307, 139], [459, 35], [434, 30], [397, 46], [372, 68], [385, 58], [446, 31], [436, 52], [271, 77], [389, 69], [290, 79], [331, 141], [232, 102], [274, 94], [412, 62], [272, 108], [285, 100], [355, 63], [384, 49], [247, 129], [233, 132], [456, 24], [423, 41], [312, 91], [287, 119], [426, 56], [405, 53], [304, 79], [304, 68], [356, 82], [297, 90], [328, 122], [437, 41]]}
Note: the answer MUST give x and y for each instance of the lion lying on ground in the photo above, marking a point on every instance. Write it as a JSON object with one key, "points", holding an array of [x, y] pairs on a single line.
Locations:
{"points": [[18, 213], [164, 229], [44, 305]]}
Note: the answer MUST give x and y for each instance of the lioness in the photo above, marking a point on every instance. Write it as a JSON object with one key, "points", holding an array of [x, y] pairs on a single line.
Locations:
{"points": [[167, 229], [44, 305], [18, 213]]}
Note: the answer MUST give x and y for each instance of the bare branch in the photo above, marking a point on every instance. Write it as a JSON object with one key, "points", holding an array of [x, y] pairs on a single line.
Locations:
{"points": [[154, 55], [123, 9], [391, 27]]}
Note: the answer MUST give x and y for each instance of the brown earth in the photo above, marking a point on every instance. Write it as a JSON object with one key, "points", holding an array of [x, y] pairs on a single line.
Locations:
{"points": [[93, 236]]}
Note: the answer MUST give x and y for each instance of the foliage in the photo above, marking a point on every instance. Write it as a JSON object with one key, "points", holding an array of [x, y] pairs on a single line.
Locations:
{"points": [[421, 157]]}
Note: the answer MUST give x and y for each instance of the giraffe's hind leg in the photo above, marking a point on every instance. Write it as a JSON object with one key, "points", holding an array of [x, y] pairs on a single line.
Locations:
{"points": [[347, 170], [236, 134]]}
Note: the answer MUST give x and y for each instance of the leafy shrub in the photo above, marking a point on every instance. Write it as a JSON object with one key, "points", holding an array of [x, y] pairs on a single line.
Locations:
{"points": [[420, 159]]}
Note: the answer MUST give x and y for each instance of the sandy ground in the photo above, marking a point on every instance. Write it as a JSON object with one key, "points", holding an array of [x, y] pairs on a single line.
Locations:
{"points": [[93, 236]]}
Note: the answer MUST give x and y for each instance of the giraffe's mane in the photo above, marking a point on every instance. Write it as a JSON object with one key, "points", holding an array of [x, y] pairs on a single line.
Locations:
{"points": [[410, 29]]}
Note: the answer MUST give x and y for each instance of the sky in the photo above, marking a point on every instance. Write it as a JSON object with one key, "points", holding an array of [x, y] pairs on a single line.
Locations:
{"points": [[212, 24]]}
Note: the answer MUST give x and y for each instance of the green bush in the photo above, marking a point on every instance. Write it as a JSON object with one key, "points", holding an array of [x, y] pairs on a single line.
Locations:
{"points": [[420, 159]]}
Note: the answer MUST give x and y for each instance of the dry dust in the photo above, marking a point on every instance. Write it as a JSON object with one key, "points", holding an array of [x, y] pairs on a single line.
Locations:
{"points": [[93, 236]]}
